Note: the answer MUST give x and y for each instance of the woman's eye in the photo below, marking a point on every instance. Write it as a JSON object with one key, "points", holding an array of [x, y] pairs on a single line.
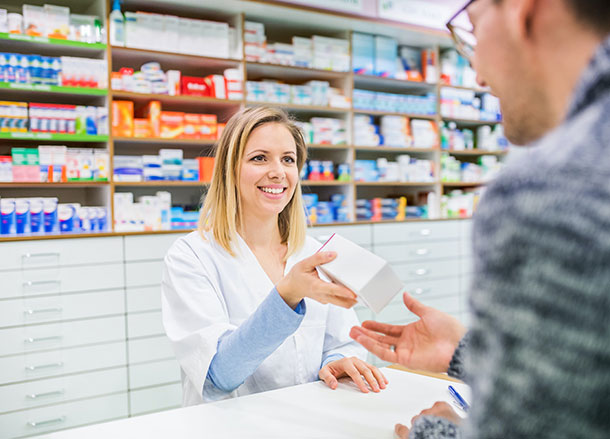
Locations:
{"points": [[258, 158], [288, 159]]}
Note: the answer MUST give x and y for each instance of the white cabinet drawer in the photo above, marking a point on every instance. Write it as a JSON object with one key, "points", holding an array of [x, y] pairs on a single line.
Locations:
{"points": [[149, 349], [60, 252], [417, 252], [415, 232], [45, 281], [146, 248], [61, 335], [153, 374], [144, 298], [359, 234], [144, 324], [433, 288], [55, 390], [62, 416], [139, 274], [448, 304], [411, 272], [155, 399], [63, 307], [466, 283], [48, 364]]}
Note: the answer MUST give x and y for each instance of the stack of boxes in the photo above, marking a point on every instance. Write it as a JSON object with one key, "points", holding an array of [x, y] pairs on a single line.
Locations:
{"points": [[169, 165], [395, 103], [404, 169]]}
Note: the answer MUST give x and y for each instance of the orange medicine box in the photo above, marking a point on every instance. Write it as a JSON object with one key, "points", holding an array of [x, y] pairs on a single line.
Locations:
{"points": [[219, 129], [206, 168], [141, 128], [172, 124], [192, 126], [152, 112], [122, 118], [208, 126]]}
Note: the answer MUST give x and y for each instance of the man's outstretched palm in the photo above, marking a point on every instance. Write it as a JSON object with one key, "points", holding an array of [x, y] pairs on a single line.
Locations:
{"points": [[427, 344]]}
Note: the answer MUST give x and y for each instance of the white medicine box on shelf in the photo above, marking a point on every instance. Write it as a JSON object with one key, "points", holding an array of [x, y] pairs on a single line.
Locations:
{"points": [[366, 274]]}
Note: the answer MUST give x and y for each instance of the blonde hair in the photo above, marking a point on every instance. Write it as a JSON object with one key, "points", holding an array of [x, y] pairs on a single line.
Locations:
{"points": [[221, 212]]}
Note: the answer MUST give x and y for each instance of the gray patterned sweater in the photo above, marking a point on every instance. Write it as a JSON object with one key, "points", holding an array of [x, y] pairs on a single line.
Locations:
{"points": [[538, 354]]}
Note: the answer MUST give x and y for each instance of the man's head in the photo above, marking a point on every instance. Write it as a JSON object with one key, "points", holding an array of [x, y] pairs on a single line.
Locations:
{"points": [[532, 53]]}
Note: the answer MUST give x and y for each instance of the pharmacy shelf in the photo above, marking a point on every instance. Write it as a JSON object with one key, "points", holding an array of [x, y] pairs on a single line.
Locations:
{"points": [[470, 122], [54, 137], [463, 183], [378, 83], [395, 183], [459, 87], [399, 150], [325, 146], [388, 113], [161, 183], [203, 101], [325, 183], [37, 88], [301, 108], [141, 56], [162, 141], [27, 43], [65, 184], [474, 152], [258, 70]]}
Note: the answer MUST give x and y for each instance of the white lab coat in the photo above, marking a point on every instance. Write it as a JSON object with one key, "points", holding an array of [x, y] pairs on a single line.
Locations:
{"points": [[206, 292]]}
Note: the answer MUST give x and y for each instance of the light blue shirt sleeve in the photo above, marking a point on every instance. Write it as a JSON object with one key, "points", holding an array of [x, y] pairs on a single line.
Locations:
{"points": [[330, 358], [241, 351]]}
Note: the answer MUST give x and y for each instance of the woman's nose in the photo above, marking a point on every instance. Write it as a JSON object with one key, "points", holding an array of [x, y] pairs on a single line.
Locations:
{"points": [[276, 169]]}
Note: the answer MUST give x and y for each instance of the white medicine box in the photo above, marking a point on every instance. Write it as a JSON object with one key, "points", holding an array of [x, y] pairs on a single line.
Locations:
{"points": [[363, 272]]}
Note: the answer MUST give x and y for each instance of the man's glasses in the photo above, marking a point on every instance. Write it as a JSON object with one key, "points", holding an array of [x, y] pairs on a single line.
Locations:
{"points": [[461, 31]]}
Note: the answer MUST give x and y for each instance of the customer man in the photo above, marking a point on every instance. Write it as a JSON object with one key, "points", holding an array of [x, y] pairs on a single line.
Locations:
{"points": [[538, 354]]}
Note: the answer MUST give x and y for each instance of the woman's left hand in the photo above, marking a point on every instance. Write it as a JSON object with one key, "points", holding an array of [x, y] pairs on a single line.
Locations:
{"points": [[355, 368]]}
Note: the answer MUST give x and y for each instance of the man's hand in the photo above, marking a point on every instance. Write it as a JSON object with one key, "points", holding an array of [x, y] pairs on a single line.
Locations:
{"points": [[427, 344], [439, 409]]}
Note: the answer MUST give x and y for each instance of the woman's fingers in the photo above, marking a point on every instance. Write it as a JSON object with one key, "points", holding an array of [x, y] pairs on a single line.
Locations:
{"points": [[326, 376], [354, 374], [366, 370]]}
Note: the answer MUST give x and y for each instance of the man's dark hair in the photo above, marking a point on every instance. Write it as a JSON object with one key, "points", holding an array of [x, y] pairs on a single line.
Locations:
{"points": [[594, 13]]}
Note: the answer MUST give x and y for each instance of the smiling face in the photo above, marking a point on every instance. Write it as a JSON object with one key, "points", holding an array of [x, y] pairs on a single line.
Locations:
{"points": [[269, 173]]}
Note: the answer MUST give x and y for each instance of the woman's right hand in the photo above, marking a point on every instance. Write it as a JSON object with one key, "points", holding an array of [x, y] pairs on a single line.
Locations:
{"points": [[303, 281]]}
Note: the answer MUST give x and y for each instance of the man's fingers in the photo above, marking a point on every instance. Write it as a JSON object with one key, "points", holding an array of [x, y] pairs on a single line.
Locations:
{"points": [[415, 306], [326, 376], [401, 431], [385, 339], [381, 350], [384, 328]]}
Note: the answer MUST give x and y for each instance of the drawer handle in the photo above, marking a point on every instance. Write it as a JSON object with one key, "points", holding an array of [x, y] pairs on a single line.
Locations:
{"points": [[46, 394], [45, 366], [30, 312], [29, 256], [31, 283], [425, 232], [47, 422], [41, 339], [421, 272], [421, 251], [420, 291]]}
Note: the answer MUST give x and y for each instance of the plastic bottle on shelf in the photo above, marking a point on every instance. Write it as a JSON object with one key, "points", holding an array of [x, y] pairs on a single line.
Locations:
{"points": [[117, 25]]}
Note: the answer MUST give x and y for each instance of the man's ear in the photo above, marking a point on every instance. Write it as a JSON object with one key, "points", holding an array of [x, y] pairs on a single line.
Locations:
{"points": [[520, 17]]}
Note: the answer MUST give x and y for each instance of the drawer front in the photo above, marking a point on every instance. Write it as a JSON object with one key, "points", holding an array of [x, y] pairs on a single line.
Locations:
{"points": [[449, 304], [421, 289], [46, 281], [415, 232], [149, 349], [139, 274], [418, 252], [144, 324], [411, 272], [60, 252], [61, 335], [54, 363], [64, 307], [155, 399], [62, 416], [146, 248], [359, 234], [154, 374], [144, 299], [56, 390]]}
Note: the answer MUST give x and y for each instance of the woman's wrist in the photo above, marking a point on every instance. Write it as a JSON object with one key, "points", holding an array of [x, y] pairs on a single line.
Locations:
{"points": [[285, 290]]}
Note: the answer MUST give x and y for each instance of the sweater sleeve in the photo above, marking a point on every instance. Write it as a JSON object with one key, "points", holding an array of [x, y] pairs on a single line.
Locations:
{"points": [[241, 351], [456, 366]]}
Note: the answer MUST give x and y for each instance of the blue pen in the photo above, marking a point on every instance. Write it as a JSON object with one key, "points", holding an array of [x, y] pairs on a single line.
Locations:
{"points": [[459, 399]]}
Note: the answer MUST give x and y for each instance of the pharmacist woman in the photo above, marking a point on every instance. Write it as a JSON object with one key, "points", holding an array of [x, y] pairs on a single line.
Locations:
{"points": [[243, 306]]}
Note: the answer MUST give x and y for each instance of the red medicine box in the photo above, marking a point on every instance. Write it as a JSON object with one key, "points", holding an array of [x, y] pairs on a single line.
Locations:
{"points": [[194, 86]]}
